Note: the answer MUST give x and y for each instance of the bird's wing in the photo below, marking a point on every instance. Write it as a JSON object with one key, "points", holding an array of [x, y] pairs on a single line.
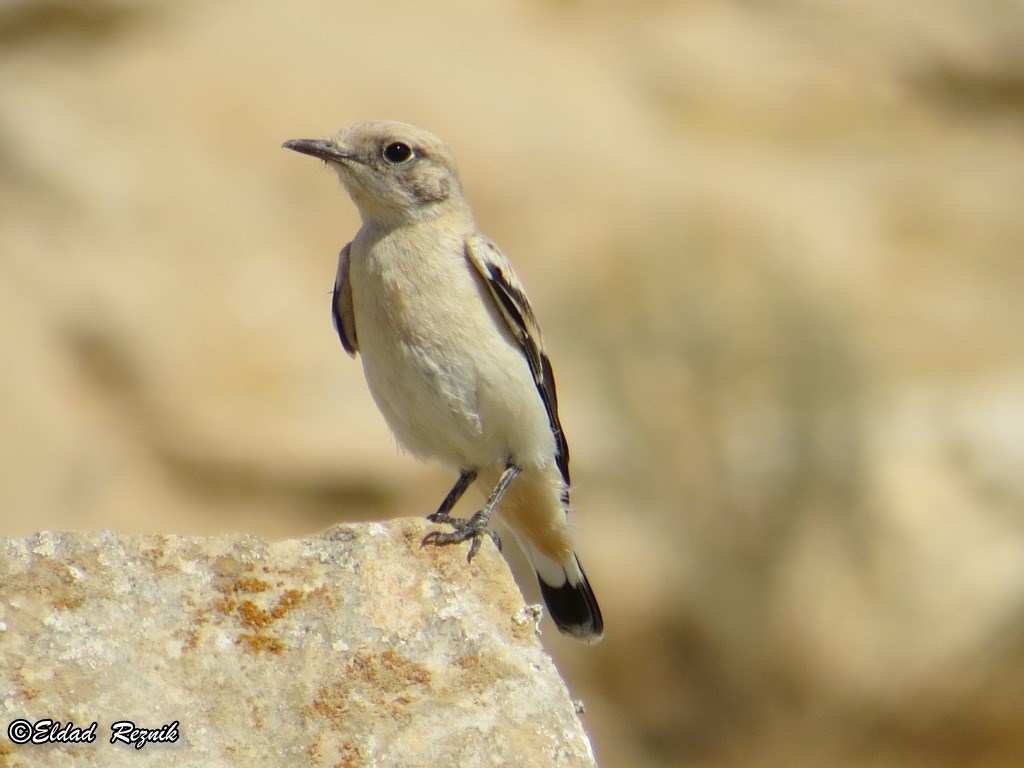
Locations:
{"points": [[511, 301], [341, 305]]}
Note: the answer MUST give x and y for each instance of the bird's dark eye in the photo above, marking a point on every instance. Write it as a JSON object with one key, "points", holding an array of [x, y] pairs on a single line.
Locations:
{"points": [[397, 152]]}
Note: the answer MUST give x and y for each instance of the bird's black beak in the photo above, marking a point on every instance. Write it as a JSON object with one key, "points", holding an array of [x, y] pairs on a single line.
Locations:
{"points": [[325, 149]]}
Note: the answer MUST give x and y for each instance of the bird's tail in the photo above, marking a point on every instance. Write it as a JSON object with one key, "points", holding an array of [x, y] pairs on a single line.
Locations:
{"points": [[568, 595], [534, 508]]}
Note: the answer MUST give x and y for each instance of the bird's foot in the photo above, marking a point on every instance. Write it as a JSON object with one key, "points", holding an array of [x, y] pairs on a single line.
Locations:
{"points": [[443, 518], [474, 528]]}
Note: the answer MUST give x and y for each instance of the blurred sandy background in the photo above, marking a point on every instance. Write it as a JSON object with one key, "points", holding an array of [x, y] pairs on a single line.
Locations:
{"points": [[778, 253]]}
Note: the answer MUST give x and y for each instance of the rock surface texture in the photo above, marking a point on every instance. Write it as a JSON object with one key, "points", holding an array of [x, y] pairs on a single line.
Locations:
{"points": [[355, 647]]}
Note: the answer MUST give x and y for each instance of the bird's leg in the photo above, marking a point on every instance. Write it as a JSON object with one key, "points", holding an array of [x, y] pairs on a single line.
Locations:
{"points": [[476, 526], [441, 516]]}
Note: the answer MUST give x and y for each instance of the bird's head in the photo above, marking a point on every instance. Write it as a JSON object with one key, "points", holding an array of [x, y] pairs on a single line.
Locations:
{"points": [[394, 172]]}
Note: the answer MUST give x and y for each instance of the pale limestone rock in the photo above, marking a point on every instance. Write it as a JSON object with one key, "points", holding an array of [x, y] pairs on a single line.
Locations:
{"points": [[354, 647]]}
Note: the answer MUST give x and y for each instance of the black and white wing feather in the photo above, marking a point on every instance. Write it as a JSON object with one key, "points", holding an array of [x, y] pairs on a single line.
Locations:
{"points": [[341, 305], [511, 301]]}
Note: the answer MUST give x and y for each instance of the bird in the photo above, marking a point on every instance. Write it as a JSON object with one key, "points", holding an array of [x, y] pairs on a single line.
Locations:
{"points": [[452, 352]]}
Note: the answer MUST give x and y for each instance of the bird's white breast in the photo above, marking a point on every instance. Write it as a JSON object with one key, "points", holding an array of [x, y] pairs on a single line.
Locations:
{"points": [[440, 364]]}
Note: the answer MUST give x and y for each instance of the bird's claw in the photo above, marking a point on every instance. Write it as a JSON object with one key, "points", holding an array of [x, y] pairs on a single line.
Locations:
{"points": [[473, 528]]}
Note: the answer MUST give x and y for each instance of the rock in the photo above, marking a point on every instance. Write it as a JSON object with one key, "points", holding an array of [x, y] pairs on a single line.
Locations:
{"points": [[353, 647]]}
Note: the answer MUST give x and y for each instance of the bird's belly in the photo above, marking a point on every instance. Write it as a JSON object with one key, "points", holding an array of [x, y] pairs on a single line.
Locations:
{"points": [[430, 414], [466, 406], [442, 367]]}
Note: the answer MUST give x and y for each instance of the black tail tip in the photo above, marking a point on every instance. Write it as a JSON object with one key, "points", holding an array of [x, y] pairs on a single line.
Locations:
{"points": [[574, 609]]}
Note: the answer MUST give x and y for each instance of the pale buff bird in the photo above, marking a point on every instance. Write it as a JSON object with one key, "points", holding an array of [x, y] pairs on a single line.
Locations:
{"points": [[452, 352]]}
